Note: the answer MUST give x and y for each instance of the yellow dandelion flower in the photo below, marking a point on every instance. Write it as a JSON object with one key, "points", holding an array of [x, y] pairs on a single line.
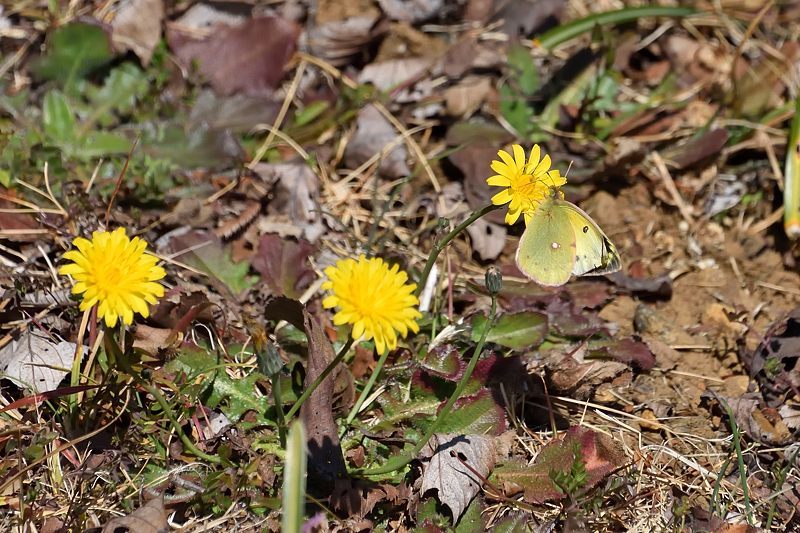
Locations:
{"points": [[526, 183], [115, 273], [374, 298]]}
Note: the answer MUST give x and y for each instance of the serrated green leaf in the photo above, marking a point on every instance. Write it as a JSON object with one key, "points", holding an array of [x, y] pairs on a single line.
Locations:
{"points": [[72, 52], [478, 414], [233, 397], [516, 330]]}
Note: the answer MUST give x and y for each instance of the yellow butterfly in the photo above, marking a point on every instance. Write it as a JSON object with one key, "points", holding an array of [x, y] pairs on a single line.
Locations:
{"points": [[561, 240]]}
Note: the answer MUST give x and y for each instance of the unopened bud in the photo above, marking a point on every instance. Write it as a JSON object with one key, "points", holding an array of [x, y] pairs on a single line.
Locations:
{"points": [[494, 280]]}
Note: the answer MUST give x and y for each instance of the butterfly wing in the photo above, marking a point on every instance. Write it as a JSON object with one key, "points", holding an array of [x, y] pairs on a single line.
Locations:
{"points": [[595, 253], [546, 252]]}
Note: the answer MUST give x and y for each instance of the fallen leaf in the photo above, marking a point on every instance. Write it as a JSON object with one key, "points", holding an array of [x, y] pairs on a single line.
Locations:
{"points": [[599, 454], [658, 286], [355, 498], [150, 518], [203, 19], [239, 113], [467, 96], [487, 238], [283, 265], [472, 160], [325, 458], [763, 425], [296, 195], [522, 18], [374, 134], [35, 362], [445, 471], [137, 27], [248, 59], [628, 351], [411, 10], [15, 221], [774, 362], [389, 74], [568, 376], [697, 150], [337, 41]]}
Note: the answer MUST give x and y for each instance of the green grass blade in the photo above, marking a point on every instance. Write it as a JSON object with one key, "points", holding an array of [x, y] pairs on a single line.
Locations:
{"points": [[294, 480], [560, 34], [737, 448], [791, 177]]}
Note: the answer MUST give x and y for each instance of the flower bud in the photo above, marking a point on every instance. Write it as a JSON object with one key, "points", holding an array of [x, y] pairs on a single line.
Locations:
{"points": [[494, 280]]}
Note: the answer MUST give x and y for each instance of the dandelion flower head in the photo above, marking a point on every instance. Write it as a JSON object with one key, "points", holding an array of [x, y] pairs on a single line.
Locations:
{"points": [[116, 273], [525, 183], [374, 298]]}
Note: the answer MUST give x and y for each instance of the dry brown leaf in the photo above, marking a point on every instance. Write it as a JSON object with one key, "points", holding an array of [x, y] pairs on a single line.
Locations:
{"points": [[580, 380], [467, 96], [411, 10], [36, 362], [392, 73], [137, 27], [760, 424], [337, 41], [325, 458], [296, 195], [473, 160], [373, 135], [150, 518], [446, 472], [248, 59], [487, 239]]}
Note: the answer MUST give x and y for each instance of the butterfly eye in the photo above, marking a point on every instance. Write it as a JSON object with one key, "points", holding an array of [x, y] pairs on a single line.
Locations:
{"points": [[586, 229]]}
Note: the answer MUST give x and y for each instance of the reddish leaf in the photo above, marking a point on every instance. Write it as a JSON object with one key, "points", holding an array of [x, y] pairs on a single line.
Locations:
{"points": [[49, 395], [445, 362], [249, 58], [628, 351], [283, 265], [600, 455]]}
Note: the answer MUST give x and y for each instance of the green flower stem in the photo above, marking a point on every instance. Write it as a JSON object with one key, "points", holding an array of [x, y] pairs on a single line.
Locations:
{"points": [[439, 246], [277, 394], [397, 462], [367, 389], [320, 378], [560, 34], [122, 360]]}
